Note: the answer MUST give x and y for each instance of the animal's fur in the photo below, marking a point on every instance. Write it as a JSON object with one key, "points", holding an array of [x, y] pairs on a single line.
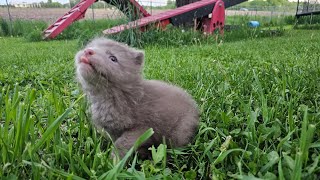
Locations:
{"points": [[126, 105]]}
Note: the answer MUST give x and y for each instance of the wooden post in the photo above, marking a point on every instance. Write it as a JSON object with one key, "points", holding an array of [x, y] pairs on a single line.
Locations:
{"points": [[10, 19]]}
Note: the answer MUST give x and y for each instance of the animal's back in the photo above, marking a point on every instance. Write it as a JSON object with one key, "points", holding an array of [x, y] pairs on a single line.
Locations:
{"points": [[171, 111]]}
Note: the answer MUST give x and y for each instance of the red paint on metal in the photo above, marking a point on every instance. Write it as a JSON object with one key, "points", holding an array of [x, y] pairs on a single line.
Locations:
{"points": [[140, 8], [161, 20], [76, 13], [165, 16], [217, 19], [163, 24]]}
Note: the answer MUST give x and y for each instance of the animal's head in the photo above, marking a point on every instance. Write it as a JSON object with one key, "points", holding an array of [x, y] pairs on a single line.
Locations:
{"points": [[104, 60]]}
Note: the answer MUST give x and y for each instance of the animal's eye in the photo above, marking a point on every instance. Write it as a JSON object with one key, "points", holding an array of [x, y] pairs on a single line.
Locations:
{"points": [[113, 58]]}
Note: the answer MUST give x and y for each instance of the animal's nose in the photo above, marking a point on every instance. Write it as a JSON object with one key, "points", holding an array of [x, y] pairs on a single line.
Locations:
{"points": [[89, 52]]}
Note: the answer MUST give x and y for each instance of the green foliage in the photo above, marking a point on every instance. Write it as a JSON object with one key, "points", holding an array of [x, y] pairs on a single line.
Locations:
{"points": [[304, 22], [259, 102], [237, 29], [101, 4], [173, 36], [308, 26], [86, 36], [265, 21], [78, 30], [268, 4], [170, 5], [87, 29], [73, 2], [34, 36], [5, 27], [290, 20], [21, 27], [308, 22], [50, 4], [315, 19]]}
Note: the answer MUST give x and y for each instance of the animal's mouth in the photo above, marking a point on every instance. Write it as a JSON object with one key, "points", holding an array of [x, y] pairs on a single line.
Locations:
{"points": [[85, 60]]}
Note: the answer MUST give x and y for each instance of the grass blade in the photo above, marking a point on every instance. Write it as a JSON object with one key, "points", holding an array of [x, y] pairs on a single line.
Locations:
{"points": [[51, 129], [113, 173]]}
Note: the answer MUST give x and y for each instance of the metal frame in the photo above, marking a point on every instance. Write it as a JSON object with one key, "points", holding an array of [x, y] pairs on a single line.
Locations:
{"points": [[211, 13], [78, 12], [209, 25], [307, 12]]}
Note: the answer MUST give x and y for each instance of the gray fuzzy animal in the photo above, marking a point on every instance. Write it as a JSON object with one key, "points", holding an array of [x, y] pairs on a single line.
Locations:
{"points": [[126, 105]]}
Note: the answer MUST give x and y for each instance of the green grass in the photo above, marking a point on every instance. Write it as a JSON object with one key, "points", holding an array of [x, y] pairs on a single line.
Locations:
{"points": [[86, 29], [265, 21], [20, 27], [259, 102], [32, 30]]}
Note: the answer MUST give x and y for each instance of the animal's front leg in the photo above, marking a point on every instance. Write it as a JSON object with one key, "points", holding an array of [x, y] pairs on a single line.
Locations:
{"points": [[127, 140]]}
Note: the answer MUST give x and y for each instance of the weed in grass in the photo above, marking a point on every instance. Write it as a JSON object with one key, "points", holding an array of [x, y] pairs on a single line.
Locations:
{"points": [[34, 36], [87, 28], [20, 27], [307, 22], [5, 27]]}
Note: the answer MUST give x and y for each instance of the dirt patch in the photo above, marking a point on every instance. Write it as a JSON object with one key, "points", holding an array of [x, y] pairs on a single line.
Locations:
{"points": [[52, 14]]}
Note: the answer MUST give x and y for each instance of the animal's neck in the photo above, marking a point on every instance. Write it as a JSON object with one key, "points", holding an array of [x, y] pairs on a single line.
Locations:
{"points": [[113, 107], [117, 94]]}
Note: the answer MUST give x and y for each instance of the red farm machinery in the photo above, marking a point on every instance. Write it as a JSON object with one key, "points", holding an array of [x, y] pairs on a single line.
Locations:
{"points": [[209, 13]]}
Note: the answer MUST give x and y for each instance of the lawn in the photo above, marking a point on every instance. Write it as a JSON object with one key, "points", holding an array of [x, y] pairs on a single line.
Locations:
{"points": [[259, 101]]}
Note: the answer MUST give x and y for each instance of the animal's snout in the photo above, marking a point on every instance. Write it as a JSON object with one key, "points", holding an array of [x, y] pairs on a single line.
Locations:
{"points": [[88, 52], [85, 58]]}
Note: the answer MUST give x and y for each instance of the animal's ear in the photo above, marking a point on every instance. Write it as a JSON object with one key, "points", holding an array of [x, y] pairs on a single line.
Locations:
{"points": [[139, 57]]}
